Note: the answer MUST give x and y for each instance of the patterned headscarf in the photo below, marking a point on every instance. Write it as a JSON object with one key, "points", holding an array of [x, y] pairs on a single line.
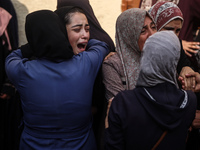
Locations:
{"points": [[164, 12], [161, 53], [128, 28]]}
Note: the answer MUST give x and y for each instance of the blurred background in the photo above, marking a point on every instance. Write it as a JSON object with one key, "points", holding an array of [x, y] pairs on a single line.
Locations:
{"points": [[106, 12]]}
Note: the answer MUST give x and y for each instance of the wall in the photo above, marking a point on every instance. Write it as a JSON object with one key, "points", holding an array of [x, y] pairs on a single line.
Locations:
{"points": [[106, 12]]}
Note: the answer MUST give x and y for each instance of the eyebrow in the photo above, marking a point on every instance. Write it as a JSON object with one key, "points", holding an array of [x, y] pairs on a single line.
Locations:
{"points": [[79, 25], [152, 23]]}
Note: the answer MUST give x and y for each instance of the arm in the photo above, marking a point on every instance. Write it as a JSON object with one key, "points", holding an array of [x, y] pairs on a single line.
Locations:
{"points": [[12, 65], [98, 47], [112, 72], [114, 136], [107, 112], [184, 67]]}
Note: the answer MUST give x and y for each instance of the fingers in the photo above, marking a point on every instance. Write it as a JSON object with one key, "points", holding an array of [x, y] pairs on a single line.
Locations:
{"points": [[109, 55], [188, 54], [195, 76], [190, 47], [192, 74]]}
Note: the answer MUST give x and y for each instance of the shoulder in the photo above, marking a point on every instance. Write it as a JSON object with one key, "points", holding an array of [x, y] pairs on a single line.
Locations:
{"points": [[114, 60], [125, 97]]}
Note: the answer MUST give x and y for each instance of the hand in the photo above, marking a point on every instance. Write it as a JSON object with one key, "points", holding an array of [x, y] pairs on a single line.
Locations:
{"points": [[4, 96], [108, 108], [195, 75], [109, 55], [196, 121], [188, 82], [190, 47]]}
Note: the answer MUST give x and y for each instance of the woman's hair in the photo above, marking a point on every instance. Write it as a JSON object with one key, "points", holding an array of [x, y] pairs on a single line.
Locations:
{"points": [[67, 18]]}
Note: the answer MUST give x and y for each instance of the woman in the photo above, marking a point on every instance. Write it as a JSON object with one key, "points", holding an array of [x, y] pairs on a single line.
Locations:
{"points": [[98, 101], [157, 109], [57, 105], [168, 16], [120, 71]]}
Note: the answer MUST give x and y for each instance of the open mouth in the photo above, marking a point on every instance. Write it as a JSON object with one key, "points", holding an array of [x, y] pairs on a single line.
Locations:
{"points": [[82, 46]]}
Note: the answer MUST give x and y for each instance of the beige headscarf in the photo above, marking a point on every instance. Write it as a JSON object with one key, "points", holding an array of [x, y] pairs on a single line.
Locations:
{"points": [[128, 28]]}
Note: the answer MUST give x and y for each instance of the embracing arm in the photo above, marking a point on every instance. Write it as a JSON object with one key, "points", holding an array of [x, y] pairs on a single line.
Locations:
{"points": [[114, 134], [12, 65], [112, 78]]}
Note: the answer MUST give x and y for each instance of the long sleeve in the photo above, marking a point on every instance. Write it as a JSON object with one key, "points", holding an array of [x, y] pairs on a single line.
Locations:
{"points": [[12, 66], [114, 135], [112, 76]]}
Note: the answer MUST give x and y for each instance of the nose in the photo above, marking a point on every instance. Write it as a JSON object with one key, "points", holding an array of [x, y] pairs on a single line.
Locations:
{"points": [[151, 32], [84, 34]]}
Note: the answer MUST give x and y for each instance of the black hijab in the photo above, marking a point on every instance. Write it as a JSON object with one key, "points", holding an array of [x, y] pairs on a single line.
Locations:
{"points": [[96, 32], [46, 36], [61, 12]]}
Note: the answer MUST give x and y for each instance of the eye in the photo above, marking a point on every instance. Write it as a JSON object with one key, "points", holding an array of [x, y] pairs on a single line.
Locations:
{"points": [[178, 30], [76, 29], [153, 27], [87, 28], [143, 31]]}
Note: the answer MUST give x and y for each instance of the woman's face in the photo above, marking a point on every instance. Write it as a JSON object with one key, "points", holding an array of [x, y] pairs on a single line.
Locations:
{"points": [[78, 32], [174, 25], [148, 29]]}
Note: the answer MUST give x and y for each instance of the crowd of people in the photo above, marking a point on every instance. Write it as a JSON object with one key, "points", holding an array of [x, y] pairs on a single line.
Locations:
{"points": [[77, 90]]}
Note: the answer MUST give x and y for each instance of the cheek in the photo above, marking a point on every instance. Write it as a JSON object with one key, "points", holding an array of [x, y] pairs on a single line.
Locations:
{"points": [[141, 41], [88, 35], [73, 38]]}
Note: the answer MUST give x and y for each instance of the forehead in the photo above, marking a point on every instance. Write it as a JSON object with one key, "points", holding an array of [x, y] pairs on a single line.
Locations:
{"points": [[174, 23], [147, 20], [78, 17]]}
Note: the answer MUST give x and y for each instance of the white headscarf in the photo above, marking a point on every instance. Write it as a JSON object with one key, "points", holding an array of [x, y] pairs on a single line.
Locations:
{"points": [[160, 57]]}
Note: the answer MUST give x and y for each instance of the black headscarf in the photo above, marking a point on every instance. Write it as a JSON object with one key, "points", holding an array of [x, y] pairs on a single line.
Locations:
{"points": [[61, 12], [96, 32], [46, 35]]}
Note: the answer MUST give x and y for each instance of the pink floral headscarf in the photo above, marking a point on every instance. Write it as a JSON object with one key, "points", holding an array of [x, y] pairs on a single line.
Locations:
{"points": [[128, 28], [164, 12]]}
